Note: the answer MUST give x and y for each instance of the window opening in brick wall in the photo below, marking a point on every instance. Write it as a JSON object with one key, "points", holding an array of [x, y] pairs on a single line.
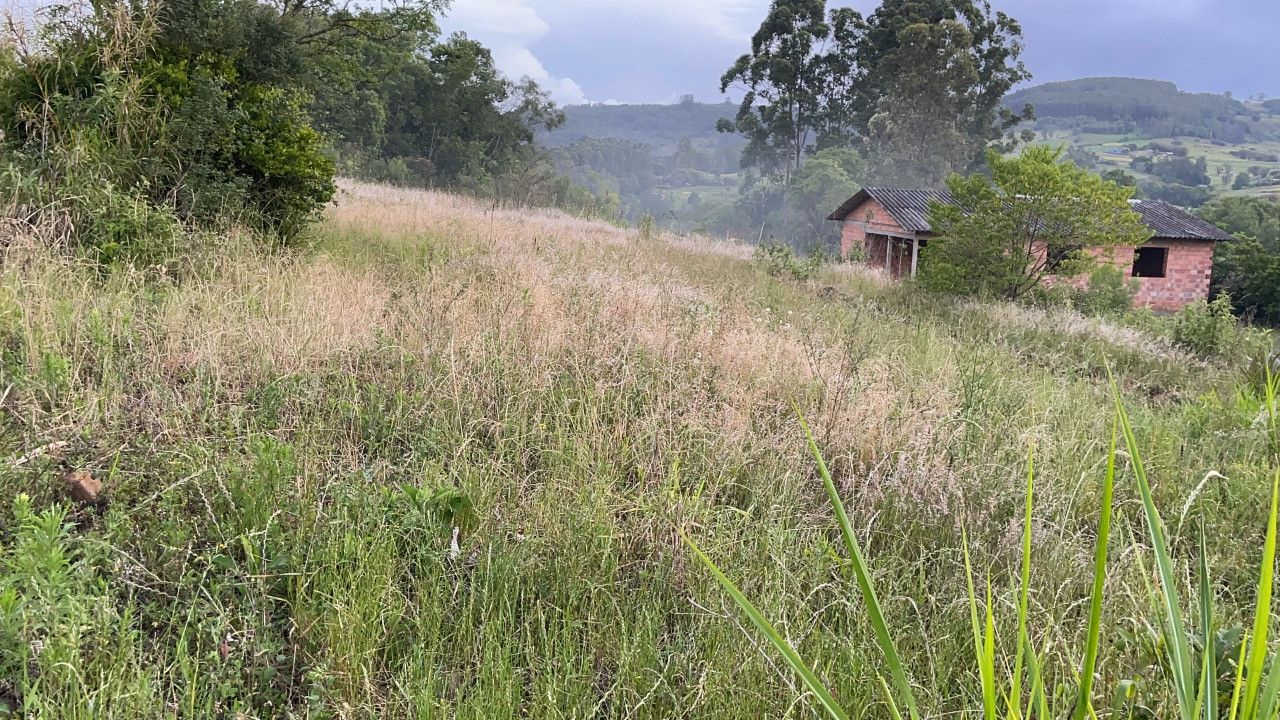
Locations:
{"points": [[1149, 262]]}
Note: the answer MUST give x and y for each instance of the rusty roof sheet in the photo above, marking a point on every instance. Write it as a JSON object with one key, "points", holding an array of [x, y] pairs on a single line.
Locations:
{"points": [[910, 207]]}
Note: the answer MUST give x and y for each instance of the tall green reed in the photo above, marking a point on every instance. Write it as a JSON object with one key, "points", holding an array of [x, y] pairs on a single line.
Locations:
{"points": [[1256, 685]]}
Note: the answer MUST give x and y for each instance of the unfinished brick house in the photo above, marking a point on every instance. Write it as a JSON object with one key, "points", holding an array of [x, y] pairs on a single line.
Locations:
{"points": [[1173, 267]]}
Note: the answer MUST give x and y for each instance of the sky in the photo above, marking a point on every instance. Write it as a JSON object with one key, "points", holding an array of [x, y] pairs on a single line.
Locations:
{"points": [[635, 51]]}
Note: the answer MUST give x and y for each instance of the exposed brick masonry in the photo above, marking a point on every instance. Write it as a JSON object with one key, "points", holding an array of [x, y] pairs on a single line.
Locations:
{"points": [[1187, 269]]}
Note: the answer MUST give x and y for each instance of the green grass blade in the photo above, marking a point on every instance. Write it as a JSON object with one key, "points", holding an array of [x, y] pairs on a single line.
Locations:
{"points": [[989, 661], [1093, 630], [1209, 675], [1038, 702], [888, 698], [982, 634], [788, 653], [1024, 591], [1235, 687], [1262, 611], [1177, 647], [1267, 700], [862, 572], [1270, 393]]}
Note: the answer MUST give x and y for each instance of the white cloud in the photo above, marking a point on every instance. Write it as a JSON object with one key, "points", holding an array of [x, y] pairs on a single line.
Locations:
{"points": [[509, 28], [506, 18], [728, 19], [518, 61]]}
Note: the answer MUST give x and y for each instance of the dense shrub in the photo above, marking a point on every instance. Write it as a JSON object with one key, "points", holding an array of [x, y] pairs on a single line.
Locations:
{"points": [[123, 126], [1109, 291], [778, 259], [1207, 328]]}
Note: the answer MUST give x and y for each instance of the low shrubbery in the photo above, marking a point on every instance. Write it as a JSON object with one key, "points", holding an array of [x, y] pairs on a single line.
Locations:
{"points": [[124, 131], [1207, 328], [778, 260], [1109, 292]]}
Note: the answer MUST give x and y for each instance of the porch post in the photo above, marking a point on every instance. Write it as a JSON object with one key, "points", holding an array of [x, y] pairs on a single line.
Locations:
{"points": [[887, 240], [915, 254]]}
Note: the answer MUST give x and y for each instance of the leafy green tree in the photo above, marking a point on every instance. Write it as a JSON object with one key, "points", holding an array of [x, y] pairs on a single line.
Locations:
{"points": [[459, 119], [828, 178], [1123, 179], [1031, 218], [788, 82], [980, 65], [1248, 269], [921, 131]]}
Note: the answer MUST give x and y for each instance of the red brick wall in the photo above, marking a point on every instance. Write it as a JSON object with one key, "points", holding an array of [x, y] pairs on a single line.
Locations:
{"points": [[852, 236], [1186, 277], [873, 217]]}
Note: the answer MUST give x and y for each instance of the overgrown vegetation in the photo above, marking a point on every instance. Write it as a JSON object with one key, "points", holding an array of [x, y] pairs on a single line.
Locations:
{"points": [[441, 467], [132, 125], [1249, 268], [1036, 215], [441, 464], [1251, 689]]}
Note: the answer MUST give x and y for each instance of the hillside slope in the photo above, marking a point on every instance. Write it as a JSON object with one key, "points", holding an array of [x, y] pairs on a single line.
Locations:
{"points": [[1153, 108], [440, 467]]}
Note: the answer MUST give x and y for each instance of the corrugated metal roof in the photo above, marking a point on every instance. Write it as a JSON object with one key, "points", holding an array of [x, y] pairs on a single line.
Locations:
{"points": [[1170, 221], [910, 207]]}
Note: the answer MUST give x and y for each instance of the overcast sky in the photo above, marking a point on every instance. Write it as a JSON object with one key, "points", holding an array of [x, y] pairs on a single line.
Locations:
{"points": [[657, 50]]}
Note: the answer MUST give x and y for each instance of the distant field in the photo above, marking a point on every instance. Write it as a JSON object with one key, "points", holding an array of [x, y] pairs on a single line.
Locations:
{"points": [[1217, 156]]}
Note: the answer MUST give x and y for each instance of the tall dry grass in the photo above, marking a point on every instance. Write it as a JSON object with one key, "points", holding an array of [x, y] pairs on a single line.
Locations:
{"points": [[439, 465]]}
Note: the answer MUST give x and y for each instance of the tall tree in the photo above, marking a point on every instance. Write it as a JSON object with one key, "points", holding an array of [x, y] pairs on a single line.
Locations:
{"points": [[1249, 268], [829, 177], [788, 80], [921, 131], [953, 59]]}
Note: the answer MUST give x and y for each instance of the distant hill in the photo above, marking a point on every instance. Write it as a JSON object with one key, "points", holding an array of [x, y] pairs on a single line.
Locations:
{"points": [[1133, 106], [664, 160], [661, 126], [669, 161]]}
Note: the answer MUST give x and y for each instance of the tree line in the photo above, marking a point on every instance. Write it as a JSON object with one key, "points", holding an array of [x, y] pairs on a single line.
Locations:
{"points": [[132, 122], [914, 90]]}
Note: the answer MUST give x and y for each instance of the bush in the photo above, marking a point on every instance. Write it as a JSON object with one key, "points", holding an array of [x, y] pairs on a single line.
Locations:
{"points": [[1109, 292], [779, 259], [1206, 328], [648, 227], [120, 129]]}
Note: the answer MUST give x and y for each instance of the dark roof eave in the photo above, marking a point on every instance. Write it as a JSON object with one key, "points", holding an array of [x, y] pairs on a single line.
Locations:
{"points": [[1166, 220], [842, 212]]}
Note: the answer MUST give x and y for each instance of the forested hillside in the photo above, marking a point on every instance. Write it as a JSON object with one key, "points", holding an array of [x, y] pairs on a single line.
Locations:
{"points": [[670, 162], [1183, 147], [1153, 108], [661, 126], [667, 161]]}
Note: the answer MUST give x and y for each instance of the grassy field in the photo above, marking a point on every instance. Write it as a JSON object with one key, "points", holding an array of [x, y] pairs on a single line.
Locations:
{"points": [[1216, 156], [440, 467]]}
